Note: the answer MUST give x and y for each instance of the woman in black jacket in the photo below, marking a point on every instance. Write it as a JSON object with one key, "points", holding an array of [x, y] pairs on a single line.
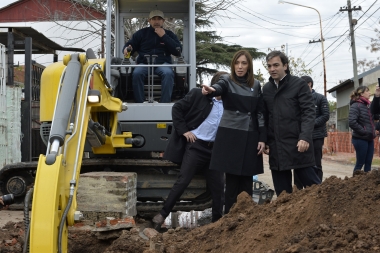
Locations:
{"points": [[241, 136], [363, 129]]}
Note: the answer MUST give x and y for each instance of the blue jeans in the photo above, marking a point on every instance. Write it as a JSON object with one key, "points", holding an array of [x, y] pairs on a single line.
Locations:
{"points": [[167, 81], [364, 153]]}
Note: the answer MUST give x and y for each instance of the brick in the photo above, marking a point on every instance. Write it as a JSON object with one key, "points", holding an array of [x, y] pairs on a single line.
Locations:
{"points": [[107, 194], [150, 232]]}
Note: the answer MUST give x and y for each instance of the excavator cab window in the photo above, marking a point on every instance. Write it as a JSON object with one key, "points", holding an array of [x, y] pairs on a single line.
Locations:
{"points": [[123, 88]]}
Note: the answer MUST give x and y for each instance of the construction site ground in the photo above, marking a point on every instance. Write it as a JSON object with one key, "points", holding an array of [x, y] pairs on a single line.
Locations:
{"points": [[340, 215]]}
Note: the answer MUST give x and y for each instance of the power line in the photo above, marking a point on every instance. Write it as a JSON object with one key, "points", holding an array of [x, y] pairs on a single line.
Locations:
{"points": [[266, 27], [344, 34], [285, 21], [245, 10]]}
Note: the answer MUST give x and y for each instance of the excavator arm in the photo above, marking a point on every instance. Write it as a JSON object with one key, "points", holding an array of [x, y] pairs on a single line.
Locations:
{"points": [[83, 94]]}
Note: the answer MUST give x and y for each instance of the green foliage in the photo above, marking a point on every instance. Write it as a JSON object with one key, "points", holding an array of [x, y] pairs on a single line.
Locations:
{"points": [[332, 105], [212, 54], [364, 64]]}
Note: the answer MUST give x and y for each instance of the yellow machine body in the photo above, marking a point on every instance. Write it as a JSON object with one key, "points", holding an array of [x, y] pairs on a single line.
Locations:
{"points": [[52, 184]]}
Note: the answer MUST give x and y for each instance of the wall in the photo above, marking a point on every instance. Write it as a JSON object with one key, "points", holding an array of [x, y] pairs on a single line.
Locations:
{"points": [[10, 118]]}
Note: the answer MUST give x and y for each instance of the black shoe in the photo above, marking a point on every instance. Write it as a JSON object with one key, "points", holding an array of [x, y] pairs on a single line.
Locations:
{"points": [[158, 220]]}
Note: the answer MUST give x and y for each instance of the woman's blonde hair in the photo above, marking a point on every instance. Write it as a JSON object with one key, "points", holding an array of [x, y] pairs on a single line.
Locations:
{"points": [[250, 77], [355, 95]]}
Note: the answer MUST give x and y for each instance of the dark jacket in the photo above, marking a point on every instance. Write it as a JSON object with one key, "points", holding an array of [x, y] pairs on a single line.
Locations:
{"points": [[375, 111], [360, 120], [291, 115], [240, 130], [187, 114], [322, 115], [146, 42], [375, 108]]}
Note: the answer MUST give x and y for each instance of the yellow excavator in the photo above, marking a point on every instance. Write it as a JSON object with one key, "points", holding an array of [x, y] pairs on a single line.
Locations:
{"points": [[90, 123], [83, 94]]}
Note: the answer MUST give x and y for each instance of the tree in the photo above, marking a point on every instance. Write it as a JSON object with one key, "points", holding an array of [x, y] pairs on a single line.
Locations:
{"points": [[211, 53], [332, 105], [364, 64]]}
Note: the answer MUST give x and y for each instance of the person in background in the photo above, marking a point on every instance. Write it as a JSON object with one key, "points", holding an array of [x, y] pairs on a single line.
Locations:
{"points": [[195, 122], [290, 123], [154, 40], [241, 136], [322, 115], [375, 105], [363, 129]]}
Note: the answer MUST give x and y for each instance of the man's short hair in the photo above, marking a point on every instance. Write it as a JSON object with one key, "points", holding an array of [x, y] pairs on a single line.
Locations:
{"points": [[308, 80], [284, 59], [156, 13]]}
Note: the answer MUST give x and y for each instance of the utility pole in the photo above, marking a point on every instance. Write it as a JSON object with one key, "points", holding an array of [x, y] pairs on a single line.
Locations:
{"points": [[323, 61], [102, 43], [353, 47], [321, 40]]}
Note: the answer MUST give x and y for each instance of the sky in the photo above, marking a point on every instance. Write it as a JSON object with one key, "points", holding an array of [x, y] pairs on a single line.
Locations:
{"points": [[267, 24]]}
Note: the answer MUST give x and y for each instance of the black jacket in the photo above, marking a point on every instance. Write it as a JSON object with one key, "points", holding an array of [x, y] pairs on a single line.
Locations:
{"points": [[360, 121], [146, 42], [322, 115], [240, 130], [290, 118], [187, 114], [375, 108]]}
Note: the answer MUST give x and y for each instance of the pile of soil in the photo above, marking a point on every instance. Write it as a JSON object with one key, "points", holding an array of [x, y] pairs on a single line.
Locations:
{"points": [[340, 215]]}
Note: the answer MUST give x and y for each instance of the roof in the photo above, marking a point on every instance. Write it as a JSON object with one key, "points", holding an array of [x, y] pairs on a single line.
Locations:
{"points": [[40, 43], [352, 79], [49, 10]]}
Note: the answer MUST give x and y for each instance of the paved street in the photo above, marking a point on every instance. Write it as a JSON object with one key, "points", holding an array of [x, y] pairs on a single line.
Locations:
{"points": [[331, 165]]}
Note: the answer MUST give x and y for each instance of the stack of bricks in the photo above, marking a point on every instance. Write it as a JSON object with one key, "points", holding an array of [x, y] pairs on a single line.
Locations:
{"points": [[107, 194]]}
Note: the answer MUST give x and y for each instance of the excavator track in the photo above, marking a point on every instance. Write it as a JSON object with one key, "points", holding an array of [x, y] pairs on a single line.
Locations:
{"points": [[17, 178]]}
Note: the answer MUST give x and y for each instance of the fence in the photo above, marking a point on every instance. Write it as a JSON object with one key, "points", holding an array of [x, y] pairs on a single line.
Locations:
{"points": [[340, 142]]}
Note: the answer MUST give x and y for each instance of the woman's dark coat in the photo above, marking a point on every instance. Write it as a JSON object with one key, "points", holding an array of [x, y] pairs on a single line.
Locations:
{"points": [[240, 130], [187, 114], [360, 121], [291, 114]]}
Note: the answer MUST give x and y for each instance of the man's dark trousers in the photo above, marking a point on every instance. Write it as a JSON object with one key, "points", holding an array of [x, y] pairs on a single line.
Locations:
{"points": [[282, 180], [196, 159], [318, 144]]}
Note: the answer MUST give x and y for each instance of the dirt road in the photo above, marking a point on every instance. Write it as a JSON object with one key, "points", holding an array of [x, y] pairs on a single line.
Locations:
{"points": [[339, 169]]}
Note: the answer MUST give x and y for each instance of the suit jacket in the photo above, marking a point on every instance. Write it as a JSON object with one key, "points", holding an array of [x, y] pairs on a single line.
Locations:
{"points": [[187, 114]]}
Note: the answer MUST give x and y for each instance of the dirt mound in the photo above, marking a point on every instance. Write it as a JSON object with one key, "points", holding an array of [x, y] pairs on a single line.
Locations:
{"points": [[337, 216], [340, 215]]}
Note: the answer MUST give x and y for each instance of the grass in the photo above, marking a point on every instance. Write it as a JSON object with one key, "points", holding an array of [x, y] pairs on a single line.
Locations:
{"points": [[375, 161]]}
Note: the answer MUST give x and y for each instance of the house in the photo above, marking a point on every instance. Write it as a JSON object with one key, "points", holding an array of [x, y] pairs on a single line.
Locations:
{"points": [[342, 93]]}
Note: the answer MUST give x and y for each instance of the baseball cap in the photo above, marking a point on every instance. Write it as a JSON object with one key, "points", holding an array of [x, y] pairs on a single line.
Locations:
{"points": [[156, 13]]}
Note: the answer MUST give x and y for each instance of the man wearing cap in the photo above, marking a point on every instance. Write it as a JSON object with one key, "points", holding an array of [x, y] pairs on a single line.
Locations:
{"points": [[322, 115], [154, 40]]}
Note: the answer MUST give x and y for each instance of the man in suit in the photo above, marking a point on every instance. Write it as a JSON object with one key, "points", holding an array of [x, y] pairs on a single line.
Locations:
{"points": [[195, 119]]}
